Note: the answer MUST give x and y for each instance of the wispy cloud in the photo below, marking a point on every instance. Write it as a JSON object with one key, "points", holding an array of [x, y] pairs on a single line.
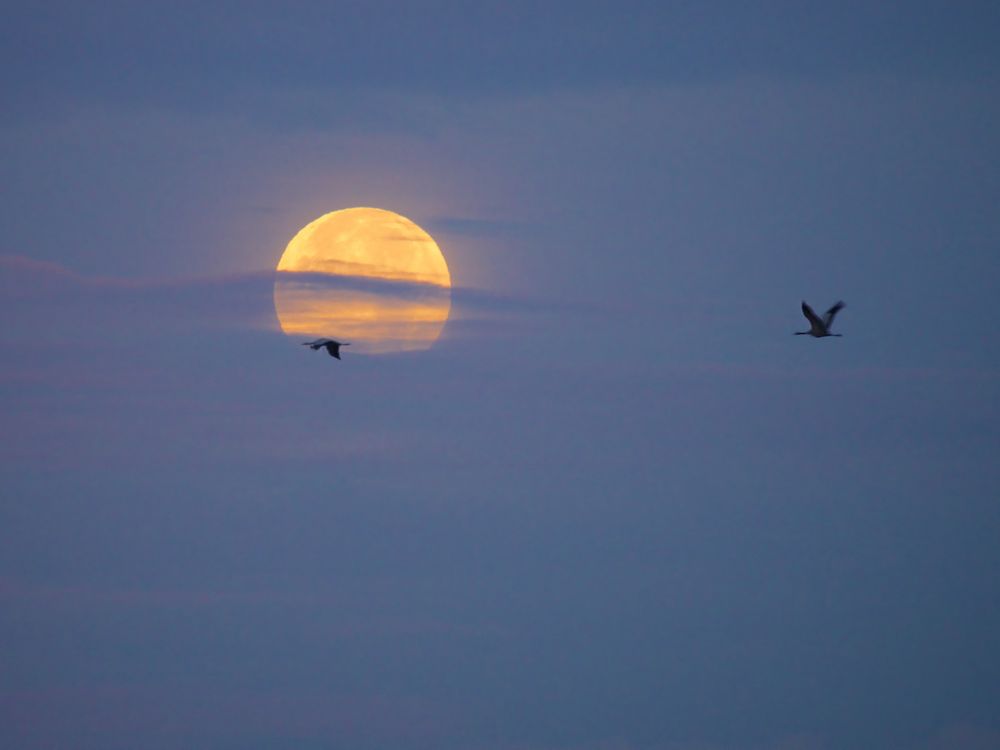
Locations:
{"points": [[471, 227], [164, 716], [20, 594], [42, 294]]}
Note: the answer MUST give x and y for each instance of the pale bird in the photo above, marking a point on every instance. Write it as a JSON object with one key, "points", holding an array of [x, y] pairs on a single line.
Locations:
{"points": [[333, 347], [819, 327]]}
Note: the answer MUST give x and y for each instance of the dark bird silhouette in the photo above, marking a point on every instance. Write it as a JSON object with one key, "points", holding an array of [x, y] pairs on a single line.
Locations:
{"points": [[333, 347], [819, 327]]}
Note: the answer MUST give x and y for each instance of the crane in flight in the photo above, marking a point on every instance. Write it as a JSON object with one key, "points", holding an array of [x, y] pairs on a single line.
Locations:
{"points": [[333, 347], [819, 327]]}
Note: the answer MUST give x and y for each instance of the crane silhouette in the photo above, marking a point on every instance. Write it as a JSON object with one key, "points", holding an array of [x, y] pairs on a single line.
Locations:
{"points": [[333, 347], [819, 327]]}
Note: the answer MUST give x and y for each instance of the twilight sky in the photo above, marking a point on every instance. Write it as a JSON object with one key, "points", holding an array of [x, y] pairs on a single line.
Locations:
{"points": [[618, 506]]}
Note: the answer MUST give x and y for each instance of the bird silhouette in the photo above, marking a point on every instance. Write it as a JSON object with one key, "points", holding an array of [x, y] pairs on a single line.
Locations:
{"points": [[819, 327], [333, 347]]}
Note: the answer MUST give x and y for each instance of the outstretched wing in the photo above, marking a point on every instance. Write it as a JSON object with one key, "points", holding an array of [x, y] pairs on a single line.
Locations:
{"points": [[334, 350], [829, 315], [812, 317]]}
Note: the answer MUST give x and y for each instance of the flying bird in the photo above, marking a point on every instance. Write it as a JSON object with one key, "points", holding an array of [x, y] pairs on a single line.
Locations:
{"points": [[333, 347], [819, 327]]}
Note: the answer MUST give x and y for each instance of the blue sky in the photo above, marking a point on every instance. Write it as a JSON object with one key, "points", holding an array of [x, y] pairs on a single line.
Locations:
{"points": [[617, 506]]}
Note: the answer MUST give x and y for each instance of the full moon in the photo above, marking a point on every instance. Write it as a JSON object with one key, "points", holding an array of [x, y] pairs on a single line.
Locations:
{"points": [[367, 276]]}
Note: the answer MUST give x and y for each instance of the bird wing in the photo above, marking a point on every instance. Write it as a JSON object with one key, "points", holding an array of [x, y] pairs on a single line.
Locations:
{"points": [[334, 350], [812, 317], [829, 315]]}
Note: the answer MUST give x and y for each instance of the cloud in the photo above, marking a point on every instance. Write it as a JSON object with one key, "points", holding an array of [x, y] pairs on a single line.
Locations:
{"points": [[46, 298], [470, 227], [228, 63], [81, 598], [155, 717], [791, 742], [43, 292], [964, 736]]}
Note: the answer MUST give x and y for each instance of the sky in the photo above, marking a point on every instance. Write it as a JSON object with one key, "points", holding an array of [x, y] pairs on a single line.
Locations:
{"points": [[617, 505]]}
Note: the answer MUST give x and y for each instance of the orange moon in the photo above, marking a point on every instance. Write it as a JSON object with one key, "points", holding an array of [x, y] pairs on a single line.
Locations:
{"points": [[364, 275]]}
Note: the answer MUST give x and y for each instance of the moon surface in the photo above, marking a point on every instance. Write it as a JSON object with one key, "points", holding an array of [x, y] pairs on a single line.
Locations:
{"points": [[364, 275]]}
